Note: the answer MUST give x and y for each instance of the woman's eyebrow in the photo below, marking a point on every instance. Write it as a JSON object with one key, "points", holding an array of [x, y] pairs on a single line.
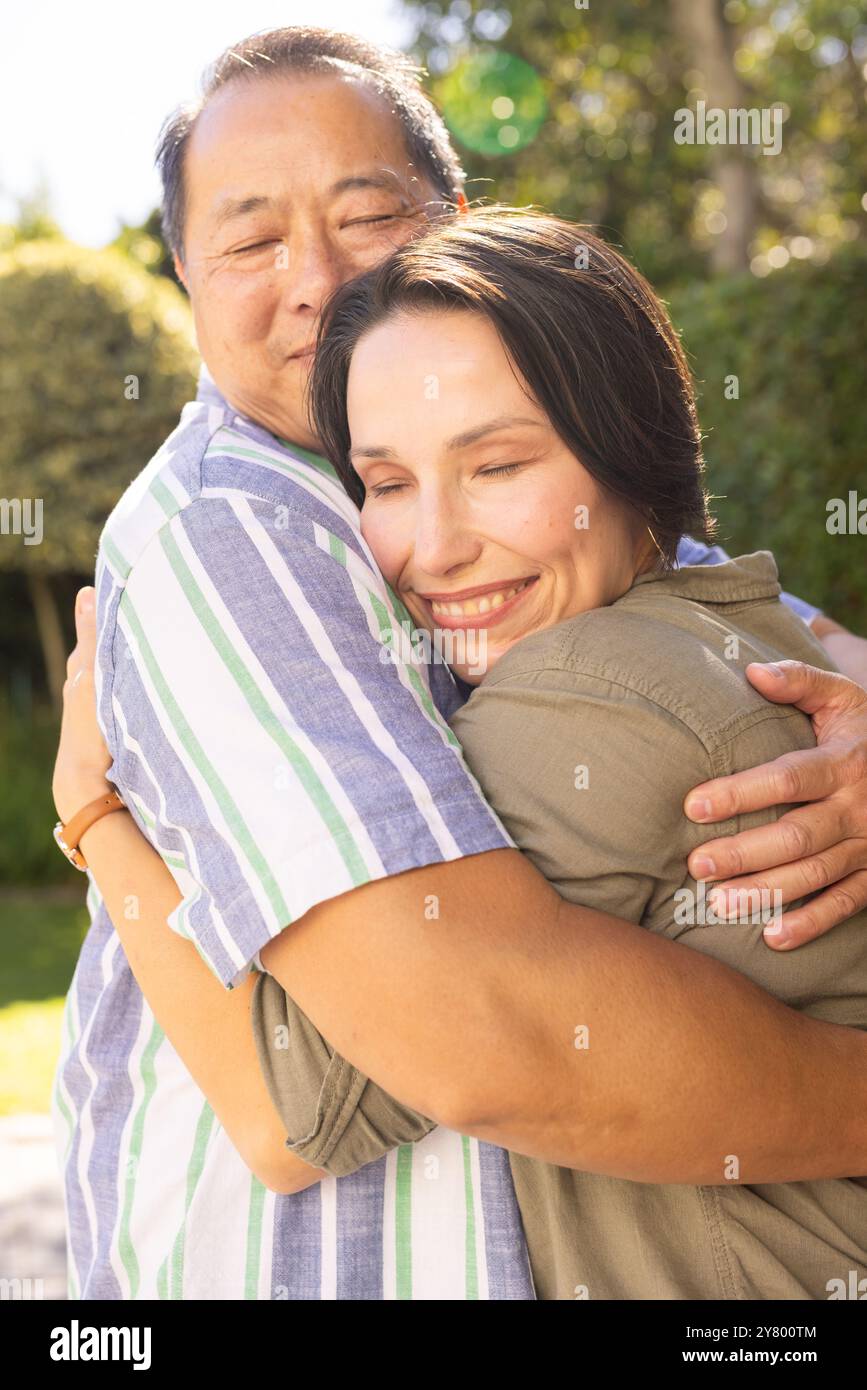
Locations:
{"points": [[457, 441], [502, 422]]}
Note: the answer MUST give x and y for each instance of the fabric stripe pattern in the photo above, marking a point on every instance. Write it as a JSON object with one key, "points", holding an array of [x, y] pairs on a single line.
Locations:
{"points": [[274, 759]]}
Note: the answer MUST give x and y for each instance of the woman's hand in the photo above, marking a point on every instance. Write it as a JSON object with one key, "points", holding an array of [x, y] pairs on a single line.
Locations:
{"points": [[82, 756], [821, 847]]}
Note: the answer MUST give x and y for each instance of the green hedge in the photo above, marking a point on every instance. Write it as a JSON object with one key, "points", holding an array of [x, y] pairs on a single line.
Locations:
{"points": [[795, 438], [96, 360], [28, 745]]}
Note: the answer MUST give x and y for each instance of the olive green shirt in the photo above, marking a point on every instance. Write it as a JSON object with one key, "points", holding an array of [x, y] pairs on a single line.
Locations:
{"points": [[585, 738]]}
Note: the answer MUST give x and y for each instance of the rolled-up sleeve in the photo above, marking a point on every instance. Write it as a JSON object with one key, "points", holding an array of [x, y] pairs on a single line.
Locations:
{"points": [[335, 1117]]}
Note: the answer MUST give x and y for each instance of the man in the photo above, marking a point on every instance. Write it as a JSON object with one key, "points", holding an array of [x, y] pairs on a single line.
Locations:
{"points": [[288, 775]]}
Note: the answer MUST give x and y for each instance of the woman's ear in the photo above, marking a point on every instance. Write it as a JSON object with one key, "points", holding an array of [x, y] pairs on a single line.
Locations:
{"points": [[463, 205]]}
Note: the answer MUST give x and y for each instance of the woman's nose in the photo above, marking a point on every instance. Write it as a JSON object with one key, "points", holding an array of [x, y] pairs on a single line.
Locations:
{"points": [[443, 542]]}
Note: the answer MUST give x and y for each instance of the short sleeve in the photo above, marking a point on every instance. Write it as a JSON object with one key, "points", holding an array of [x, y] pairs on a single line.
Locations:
{"points": [[273, 731], [589, 778], [691, 552]]}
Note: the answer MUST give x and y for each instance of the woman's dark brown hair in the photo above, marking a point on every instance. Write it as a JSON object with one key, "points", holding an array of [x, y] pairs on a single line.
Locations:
{"points": [[584, 329]]}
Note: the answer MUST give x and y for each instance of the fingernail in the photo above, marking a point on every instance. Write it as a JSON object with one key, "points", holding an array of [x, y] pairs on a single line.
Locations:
{"points": [[720, 901], [778, 932], [775, 670], [87, 601], [704, 867], [699, 809]]}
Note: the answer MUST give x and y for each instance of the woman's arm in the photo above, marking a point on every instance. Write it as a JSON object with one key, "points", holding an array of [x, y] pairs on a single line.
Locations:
{"points": [[208, 1026]]}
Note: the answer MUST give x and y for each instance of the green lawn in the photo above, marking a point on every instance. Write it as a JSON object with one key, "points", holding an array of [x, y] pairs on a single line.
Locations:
{"points": [[40, 936]]}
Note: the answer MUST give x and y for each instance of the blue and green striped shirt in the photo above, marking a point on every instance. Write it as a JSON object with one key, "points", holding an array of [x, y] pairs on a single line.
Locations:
{"points": [[275, 760]]}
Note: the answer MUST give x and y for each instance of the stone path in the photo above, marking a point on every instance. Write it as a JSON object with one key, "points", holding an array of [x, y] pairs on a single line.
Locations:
{"points": [[32, 1242]]}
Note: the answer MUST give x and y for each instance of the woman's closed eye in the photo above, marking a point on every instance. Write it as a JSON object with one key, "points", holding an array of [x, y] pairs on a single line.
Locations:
{"points": [[501, 470], [383, 489]]}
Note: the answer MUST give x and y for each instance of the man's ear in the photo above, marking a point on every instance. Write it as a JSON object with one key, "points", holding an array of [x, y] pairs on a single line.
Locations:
{"points": [[180, 272]]}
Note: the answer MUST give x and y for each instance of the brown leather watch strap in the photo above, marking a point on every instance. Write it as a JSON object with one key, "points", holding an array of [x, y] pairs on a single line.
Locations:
{"points": [[69, 835]]}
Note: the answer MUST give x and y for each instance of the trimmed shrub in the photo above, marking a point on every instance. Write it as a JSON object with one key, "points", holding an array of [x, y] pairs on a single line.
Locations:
{"points": [[96, 360]]}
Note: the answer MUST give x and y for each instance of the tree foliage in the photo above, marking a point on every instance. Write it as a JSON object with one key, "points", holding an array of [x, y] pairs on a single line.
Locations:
{"points": [[96, 360], [788, 434], [615, 73]]}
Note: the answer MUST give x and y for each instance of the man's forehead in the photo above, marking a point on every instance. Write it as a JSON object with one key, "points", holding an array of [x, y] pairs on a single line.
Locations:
{"points": [[255, 140], [255, 114]]}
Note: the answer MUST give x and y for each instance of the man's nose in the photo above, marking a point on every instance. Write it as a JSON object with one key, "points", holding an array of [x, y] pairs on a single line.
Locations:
{"points": [[313, 273]]}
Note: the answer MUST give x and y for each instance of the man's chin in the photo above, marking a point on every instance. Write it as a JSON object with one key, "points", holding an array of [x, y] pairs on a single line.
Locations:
{"points": [[279, 408]]}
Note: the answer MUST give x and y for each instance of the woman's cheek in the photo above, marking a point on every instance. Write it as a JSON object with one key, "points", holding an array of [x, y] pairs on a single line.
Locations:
{"points": [[539, 524], [384, 541]]}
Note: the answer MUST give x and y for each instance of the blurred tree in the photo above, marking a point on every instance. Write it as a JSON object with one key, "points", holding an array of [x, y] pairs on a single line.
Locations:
{"points": [[614, 75], [145, 246], [35, 220], [779, 369], [707, 40], [96, 360]]}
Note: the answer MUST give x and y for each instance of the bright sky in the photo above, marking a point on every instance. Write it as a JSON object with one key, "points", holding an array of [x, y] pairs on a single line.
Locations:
{"points": [[86, 84]]}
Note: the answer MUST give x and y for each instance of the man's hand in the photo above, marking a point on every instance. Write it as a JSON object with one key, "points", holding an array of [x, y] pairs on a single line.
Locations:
{"points": [[819, 848]]}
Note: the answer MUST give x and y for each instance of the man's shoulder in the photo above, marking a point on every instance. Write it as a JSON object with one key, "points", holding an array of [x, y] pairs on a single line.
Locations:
{"points": [[170, 481], [213, 456]]}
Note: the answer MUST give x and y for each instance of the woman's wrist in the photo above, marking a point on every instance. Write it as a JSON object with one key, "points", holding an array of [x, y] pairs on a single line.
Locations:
{"points": [[73, 793]]}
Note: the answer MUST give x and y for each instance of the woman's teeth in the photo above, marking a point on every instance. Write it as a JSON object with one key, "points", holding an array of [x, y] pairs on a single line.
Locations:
{"points": [[470, 607]]}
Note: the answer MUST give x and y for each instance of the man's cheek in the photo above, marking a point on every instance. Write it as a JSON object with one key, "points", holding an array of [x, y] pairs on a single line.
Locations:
{"points": [[243, 305]]}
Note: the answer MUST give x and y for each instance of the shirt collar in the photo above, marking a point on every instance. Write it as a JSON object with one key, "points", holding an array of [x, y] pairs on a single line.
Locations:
{"points": [[745, 578], [208, 393]]}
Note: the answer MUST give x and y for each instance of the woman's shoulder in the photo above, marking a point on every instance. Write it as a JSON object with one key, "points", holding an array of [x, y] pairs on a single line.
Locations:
{"points": [[679, 640]]}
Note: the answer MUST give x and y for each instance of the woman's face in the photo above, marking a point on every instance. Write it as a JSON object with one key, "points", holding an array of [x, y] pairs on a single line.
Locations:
{"points": [[477, 513]]}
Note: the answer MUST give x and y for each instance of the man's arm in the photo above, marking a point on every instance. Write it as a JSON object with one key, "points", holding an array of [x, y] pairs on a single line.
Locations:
{"points": [[846, 649], [687, 1062]]}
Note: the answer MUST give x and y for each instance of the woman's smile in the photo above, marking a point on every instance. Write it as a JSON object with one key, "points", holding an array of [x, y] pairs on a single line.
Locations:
{"points": [[482, 606]]}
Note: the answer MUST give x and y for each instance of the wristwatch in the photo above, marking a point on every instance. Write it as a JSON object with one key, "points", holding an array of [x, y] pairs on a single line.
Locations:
{"points": [[68, 835]]}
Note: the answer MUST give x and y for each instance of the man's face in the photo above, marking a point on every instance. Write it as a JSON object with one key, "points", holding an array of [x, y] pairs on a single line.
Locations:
{"points": [[293, 187]]}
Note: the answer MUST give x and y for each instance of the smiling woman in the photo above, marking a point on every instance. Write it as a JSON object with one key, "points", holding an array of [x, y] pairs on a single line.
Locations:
{"points": [[516, 420]]}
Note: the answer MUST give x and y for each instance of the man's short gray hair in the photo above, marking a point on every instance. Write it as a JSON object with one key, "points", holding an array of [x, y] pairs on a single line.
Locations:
{"points": [[305, 49]]}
